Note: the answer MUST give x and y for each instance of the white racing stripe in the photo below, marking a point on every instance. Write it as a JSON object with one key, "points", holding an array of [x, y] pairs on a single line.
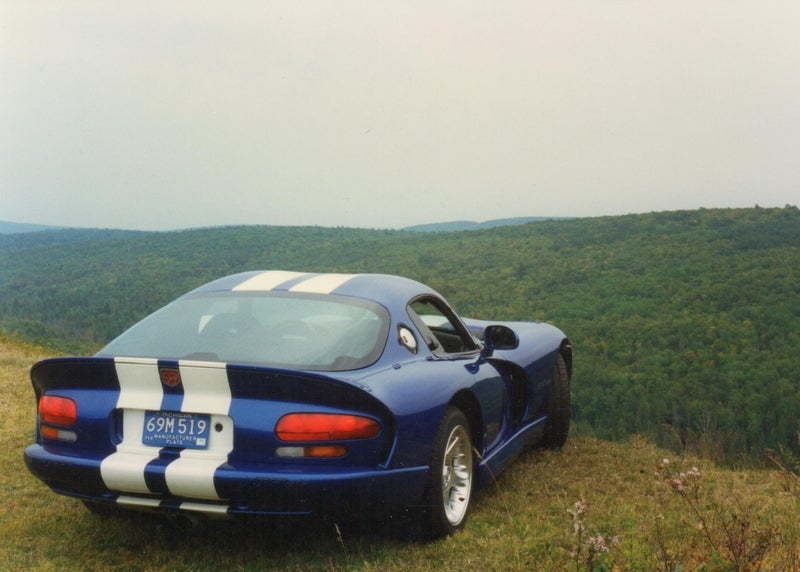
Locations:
{"points": [[206, 390], [322, 284], [313, 284], [205, 387], [140, 389], [192, 475], [139, 384], [268, 280]]}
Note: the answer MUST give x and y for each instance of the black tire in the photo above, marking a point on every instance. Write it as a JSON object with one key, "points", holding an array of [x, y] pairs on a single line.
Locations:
{"points": [[451, 477], [558, 409]]}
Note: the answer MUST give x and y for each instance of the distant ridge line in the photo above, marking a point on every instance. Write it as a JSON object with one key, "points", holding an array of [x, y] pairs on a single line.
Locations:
{"points": [[7, 227], [458, 225]]}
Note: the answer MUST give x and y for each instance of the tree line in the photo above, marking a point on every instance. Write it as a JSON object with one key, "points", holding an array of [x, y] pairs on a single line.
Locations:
{"points": [[685, 324]]}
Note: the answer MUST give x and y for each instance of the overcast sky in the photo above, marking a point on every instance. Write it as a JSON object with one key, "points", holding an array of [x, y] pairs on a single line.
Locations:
{"points": [[369, 113]]}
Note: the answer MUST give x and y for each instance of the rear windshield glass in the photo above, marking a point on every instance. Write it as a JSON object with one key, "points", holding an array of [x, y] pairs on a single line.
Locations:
{"points": [[302, 331]]}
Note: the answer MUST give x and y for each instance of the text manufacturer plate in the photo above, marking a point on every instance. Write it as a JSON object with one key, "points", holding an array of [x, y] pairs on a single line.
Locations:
{"points": [[176, 429]]}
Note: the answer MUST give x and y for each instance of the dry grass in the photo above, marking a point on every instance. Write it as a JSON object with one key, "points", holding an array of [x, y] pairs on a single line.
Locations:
{"points": [[520, 523]]}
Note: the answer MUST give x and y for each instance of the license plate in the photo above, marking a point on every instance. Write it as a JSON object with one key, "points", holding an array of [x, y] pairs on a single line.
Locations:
{"points": [[176, 429]]}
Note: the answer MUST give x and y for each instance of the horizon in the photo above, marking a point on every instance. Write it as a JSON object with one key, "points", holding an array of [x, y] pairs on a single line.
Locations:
{"points": [[503, 221]]}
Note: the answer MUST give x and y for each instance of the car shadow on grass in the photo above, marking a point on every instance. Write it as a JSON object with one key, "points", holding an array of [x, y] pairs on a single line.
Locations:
{"points": [[283, 537]]}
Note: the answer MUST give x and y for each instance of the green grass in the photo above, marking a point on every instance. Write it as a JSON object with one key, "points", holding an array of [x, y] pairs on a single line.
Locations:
{"points": [[519, 523]]}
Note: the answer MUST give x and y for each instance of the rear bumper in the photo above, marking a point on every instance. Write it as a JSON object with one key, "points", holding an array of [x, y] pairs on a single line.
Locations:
{"points": [[242, 490]]}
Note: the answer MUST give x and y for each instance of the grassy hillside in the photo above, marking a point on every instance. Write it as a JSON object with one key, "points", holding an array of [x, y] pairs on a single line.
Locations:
{"points": [[685, 515], [685, 324]]}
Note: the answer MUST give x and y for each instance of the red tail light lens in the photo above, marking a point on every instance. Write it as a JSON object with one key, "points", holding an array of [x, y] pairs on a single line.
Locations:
{"points": [[297, 427], [57, 410]]}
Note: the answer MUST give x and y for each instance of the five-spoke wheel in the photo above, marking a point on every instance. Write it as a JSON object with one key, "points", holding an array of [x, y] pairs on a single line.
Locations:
{"points": [[452, 475]]}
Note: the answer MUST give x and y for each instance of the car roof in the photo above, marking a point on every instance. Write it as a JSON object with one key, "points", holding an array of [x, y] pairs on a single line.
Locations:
{"points": [[382, 288]]}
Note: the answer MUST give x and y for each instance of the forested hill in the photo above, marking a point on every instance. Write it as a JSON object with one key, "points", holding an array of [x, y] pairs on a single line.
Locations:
{"points": [[7, 227], [685, 324]]}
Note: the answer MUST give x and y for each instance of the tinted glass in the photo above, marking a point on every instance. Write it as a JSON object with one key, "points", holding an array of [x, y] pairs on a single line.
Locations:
{"points": [[302, 331], [439, 327]]}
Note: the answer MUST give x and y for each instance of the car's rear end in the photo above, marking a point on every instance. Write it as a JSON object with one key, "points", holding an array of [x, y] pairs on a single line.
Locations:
{"points": [[213, 438]]}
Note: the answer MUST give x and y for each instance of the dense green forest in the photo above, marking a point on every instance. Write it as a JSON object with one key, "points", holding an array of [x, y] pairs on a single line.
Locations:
{"points": [[686, 325]]}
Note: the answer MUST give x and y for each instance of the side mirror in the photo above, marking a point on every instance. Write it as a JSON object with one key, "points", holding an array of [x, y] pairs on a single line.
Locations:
{"points": [[497, 337]]}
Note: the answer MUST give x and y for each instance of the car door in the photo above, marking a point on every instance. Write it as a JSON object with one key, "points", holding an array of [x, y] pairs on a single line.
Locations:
{"points": [[454, 347]]}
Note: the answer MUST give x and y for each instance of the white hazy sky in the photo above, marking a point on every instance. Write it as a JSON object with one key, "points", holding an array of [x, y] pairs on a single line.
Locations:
{"points": [[369, 113]]}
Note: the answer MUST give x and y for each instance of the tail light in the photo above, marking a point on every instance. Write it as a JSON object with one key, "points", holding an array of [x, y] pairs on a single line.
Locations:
{"points": [[297, 427], [308, 427], [59, 411]]}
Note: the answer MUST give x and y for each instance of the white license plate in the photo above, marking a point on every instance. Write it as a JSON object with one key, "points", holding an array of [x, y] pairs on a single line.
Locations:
{"points": [[176, 429]]}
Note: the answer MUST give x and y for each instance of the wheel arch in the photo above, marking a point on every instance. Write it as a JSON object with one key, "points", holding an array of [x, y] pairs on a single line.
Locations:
{"points": [[469, 405]]}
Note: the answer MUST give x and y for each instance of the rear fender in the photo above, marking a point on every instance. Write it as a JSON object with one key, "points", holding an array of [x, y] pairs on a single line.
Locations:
{"points": [[262, 396], [93, 385]]}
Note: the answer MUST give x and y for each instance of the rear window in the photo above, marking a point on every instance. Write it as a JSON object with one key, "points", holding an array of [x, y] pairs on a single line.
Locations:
{"points": [[302, 331]]}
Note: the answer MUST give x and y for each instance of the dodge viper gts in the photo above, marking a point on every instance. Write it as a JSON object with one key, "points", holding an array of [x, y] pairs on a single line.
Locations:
{"points": [[287, 393]]}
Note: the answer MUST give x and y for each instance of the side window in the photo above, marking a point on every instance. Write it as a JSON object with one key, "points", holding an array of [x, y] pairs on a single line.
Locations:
{"points": [[442, 331]]}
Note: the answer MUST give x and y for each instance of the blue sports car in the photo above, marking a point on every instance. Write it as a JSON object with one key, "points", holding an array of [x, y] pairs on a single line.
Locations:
{"points": [[282, 393]]}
